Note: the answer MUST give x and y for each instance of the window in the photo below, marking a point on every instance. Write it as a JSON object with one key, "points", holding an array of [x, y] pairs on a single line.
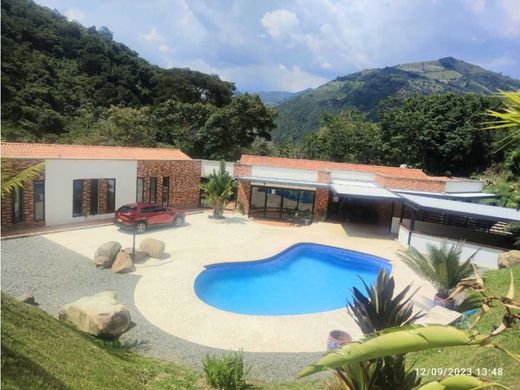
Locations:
{"points": [[153, 190], [94, 196], [77, 198], [140, 189], [165, 191], [111, 195], [39, 200], [126, 209], [151, 209], [17, 204]]}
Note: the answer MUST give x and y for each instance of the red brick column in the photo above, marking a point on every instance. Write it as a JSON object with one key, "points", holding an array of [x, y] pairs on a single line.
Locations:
{"points": [[244, 187], [321, 200], [13, 167]]}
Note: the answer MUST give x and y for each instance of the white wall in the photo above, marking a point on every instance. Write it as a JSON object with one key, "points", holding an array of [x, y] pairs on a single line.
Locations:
{"points": [[59, 175], [487, 256], [352, 175], [208, 166], [456, 185], [284, 173]]}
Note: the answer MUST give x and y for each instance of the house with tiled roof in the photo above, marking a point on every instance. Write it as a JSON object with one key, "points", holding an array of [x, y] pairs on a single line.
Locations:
{"points": [[84, 183]]}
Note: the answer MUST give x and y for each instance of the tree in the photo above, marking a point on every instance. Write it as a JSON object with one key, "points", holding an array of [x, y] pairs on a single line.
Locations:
{"points": [[235, 126], [219, 189], [345, 137], [438, 133]]}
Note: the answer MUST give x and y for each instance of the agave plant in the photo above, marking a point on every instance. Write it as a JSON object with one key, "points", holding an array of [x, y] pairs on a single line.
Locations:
{"points": [[219, 189], [379, 308], [441, 266]]}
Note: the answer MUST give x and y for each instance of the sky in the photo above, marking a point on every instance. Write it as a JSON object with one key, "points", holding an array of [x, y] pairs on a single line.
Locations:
{"points": [[291, 45]]}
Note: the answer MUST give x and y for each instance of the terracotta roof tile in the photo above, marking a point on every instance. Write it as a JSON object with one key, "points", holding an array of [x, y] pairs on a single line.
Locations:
{"points": [[88, 152], [411, 173]]}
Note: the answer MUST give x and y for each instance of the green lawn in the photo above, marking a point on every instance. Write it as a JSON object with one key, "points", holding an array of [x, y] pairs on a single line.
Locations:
{"points": [[497, 283], [40, 352]]}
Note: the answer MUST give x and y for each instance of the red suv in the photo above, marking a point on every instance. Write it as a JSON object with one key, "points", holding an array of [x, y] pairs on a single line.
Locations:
{"points": [[140, 216]]}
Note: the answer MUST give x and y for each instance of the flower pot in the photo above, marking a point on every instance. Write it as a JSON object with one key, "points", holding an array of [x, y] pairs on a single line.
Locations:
{"points": [[337, 338], [444, 302]]}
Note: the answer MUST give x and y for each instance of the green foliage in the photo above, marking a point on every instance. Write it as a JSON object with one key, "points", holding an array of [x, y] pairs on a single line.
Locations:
{"points": [[513, 162], [347, 136], [364, 91], [9, 182], [507, 118], [440, 133], [51, 68], [380, 308], [228, 372], [218, 189], [441, 266]]}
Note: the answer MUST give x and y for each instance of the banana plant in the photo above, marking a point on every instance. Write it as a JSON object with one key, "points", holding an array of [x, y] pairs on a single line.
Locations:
{"points": [[460, 382], [508, 119]]}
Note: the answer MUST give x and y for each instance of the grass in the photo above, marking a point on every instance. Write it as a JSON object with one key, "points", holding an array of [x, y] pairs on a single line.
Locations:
{"points": [[497, 283], [40, 352]]}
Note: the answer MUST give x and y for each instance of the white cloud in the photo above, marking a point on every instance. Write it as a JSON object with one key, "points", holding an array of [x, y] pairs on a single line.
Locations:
{"points": [[165, 49], [75, 14], [152, 35], [281, 23]]}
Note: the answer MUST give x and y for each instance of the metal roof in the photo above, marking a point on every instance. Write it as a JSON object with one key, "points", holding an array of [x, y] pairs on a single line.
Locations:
{"points": [[448, 195], [362, 190], [269, 180], [475, 210]]}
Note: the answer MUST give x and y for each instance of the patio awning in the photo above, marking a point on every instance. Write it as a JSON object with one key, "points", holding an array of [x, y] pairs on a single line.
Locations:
{"points": [[362, 190], [283, 182], [448, 195], [466, 209]]}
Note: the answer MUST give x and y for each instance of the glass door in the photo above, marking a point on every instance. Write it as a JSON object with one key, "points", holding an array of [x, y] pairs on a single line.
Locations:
{"points": [[39, 200], [274, 203]]}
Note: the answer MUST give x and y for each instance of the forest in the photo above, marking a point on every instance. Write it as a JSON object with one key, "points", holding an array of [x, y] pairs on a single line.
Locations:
{"points": [[65, 83]]}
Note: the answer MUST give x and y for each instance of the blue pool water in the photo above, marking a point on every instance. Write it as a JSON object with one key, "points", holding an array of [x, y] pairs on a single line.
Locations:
{"points": [[305, 278]]}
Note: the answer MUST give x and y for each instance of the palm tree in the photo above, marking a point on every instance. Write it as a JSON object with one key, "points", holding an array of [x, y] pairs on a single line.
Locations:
{"points": [[441, 266], [508, 119], [20, 178], [219, 189]]}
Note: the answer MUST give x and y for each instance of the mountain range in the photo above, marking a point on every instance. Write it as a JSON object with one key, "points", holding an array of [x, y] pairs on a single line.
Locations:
{"points": [[299, 114]]}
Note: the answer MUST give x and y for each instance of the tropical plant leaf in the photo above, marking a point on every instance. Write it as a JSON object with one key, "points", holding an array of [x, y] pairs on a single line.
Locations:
{"points": [[19, 179], [395, 342]]}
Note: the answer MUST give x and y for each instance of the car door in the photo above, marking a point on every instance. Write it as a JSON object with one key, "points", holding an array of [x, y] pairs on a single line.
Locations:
{"points": [[149, 214], [164, 215]]}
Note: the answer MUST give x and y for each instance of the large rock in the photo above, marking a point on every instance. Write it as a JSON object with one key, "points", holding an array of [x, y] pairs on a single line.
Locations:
{"points": [[27, 298], [155, 248], [140, 255], [508, 259], [99, 315], [123, 263], [106, 254]]}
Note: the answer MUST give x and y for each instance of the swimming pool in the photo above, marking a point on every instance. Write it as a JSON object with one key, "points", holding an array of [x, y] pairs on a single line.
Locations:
{"points": [[304, 278]]}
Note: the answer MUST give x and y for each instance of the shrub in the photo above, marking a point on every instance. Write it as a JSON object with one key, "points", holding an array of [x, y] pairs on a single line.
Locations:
{"points": [[227, 372]]}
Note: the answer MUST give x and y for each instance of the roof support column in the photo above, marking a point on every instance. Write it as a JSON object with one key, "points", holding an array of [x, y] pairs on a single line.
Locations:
{"points": [[412, 226], [391, 217]]}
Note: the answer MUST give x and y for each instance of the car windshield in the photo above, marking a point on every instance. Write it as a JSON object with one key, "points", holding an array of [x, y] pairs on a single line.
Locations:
{"points": [[126, 209]]}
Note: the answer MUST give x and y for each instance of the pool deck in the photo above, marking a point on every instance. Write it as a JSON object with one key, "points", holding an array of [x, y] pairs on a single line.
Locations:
{"points": [[165, 295]]}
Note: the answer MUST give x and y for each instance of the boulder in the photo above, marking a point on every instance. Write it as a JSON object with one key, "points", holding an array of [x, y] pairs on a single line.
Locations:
{"points": [[508, 259], [98, 315], [123, 263], [140, 255], [106, 254], [27, 298], [155, 248]]}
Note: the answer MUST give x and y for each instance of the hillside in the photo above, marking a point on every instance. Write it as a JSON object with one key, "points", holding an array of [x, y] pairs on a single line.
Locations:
{"points": [[52, 67], [364, 90], [274, 98]]}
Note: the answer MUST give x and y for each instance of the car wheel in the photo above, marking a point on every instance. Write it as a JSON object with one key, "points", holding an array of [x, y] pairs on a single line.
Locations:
{"points": [[178, 221], [140, 227]]}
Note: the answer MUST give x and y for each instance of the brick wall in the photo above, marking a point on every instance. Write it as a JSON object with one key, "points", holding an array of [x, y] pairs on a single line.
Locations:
{"points": [[10, 168], [431, 185], [321, 202], [244, 187], [184, 180]]}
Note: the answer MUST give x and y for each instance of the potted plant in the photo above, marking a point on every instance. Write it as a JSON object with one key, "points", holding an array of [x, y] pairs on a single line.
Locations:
{"points": [[442, 267], [218, 190]]}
